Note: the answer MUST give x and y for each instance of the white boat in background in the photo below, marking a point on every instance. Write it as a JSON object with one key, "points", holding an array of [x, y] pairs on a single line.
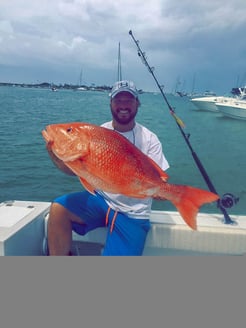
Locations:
{"points": [[209, 103], [81, 86], [81, 89], [233, 108], [23, 232], [206, 103]]}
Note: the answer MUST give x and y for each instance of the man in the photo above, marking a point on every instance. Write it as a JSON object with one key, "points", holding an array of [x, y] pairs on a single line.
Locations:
{"points": [[127, 218]]}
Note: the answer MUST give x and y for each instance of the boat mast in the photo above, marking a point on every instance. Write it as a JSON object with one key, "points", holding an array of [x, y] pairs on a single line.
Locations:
{"points": [[80, 77], [119, 73]]}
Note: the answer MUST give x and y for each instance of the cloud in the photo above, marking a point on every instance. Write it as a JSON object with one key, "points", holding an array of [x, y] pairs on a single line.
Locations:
{"points": [[6, 27], [182, 38]]}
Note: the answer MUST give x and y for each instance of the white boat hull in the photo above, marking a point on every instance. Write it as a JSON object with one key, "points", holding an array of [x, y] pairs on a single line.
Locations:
{"points": [[233, 108], [206, 103], [23, 232]]}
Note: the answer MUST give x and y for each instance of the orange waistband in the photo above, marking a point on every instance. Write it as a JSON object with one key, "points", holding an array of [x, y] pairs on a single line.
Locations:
{"points": [[113, 220]]}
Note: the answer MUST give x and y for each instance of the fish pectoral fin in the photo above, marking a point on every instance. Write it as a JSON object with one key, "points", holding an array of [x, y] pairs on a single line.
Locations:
{"points": [[87, 186], [164, 177]]}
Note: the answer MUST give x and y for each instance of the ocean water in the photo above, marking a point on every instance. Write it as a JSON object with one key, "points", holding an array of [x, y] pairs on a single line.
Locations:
{"points": [[27, 173]]}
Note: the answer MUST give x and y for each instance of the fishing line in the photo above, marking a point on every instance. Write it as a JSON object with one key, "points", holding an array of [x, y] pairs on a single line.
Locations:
{"points": [[227, 200]]}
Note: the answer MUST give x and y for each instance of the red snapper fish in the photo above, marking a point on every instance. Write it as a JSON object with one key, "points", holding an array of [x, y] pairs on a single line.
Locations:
{"points": [[105, 160]]}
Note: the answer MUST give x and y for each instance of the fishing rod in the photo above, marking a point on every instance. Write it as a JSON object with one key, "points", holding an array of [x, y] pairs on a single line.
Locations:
{"points": [[227, 200]]}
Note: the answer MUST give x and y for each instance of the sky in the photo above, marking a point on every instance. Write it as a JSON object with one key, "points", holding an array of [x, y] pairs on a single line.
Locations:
{"points": [[193, 45]]}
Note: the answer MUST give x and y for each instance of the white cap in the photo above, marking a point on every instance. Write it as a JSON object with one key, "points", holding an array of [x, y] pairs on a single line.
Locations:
{"points": [[121, 86]]}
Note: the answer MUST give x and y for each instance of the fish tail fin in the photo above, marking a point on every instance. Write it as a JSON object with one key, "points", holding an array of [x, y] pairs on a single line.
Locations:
{"points": [[189, 201]]}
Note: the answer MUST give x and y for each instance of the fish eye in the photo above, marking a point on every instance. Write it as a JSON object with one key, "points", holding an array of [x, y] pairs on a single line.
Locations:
{"points": [[69, 130]]}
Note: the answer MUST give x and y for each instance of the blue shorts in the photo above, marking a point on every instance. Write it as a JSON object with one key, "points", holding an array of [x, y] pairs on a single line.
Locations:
{"points": [[125, 236]]}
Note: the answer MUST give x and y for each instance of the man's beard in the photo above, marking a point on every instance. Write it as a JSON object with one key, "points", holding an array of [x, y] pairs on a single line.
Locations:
{"points": [[124, 120]]}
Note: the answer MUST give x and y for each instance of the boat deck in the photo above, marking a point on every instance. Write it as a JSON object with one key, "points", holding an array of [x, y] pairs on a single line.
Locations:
{"points": [[169, 235], [23, 231]]}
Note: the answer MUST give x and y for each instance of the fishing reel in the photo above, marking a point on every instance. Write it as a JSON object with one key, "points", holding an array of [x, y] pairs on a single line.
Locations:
{"points": [[228, 200]]}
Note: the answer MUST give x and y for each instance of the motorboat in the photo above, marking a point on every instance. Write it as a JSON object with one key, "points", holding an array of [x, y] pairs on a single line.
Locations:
{"points": [[207, 103], [23, 232], [233, 108]]}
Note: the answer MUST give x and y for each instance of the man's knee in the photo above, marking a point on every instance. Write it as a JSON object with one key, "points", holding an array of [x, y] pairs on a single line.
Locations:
{"points": [[59, 212]]}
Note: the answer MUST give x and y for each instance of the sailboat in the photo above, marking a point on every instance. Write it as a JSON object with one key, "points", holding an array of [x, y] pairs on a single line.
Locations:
{"points": [[81, 88], [119, 70]]}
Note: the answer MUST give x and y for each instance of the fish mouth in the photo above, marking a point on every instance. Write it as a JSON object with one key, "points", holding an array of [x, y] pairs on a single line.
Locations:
{"points": [[46, 136]]}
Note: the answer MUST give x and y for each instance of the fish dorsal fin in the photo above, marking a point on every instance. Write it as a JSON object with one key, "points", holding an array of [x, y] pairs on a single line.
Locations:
{"points": [[87, 186], [163, 174]]}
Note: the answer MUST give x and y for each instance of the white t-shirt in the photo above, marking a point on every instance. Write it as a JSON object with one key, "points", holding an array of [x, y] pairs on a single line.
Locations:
{"points": [[150, 145]]}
